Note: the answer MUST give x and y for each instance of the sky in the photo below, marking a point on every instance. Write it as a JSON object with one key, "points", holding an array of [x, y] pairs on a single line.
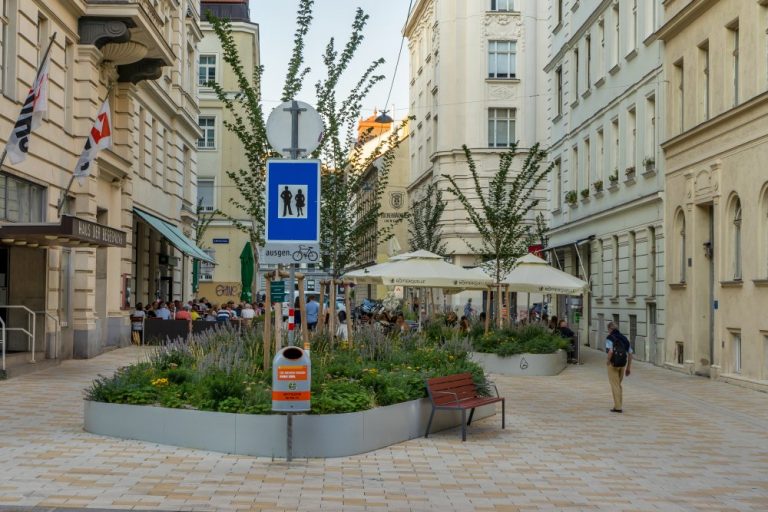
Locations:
{"points": [[333, 18]]}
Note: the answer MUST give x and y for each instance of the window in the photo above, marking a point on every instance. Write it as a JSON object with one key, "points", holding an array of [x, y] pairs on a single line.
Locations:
{"points": [[501, 127], [69, 83], [631, 138], [632, 264], [65, 287], [615, 270], [615, 152], [142, 161], [736, 238], [208, 126], [21, 201], [206, 72], [576, 74], [557, 186], [679, 352], [650, 17], [206, 197], [559, 12], [650, 128], [632, 38], [681, 250], [501, 59], [734, 43], [574, 184], [680, 93], [616, 35], [599, 156], [587, 162], [651, 264], [42, 36], [559, 90], [502, 5], [600, 284], [765, 357], [633, 332], [154, 172], [616, 320], [186, 174], [207, 268], [704, 80], [736, 351], [588, 70], [601, 54]]}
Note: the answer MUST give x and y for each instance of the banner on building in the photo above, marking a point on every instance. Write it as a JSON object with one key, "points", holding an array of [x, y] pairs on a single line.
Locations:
{"points": [[99, 138], [35, 106]]}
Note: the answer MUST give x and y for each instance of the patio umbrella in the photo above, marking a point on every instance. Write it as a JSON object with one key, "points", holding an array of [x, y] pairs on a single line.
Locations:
{"points": [[246, 272], [534, 275], [195, 275], [421, 269]]}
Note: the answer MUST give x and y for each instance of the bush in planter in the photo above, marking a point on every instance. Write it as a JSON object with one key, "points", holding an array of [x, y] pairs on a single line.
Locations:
{"points": [[530, 339], [598, 185], [571, 197]]}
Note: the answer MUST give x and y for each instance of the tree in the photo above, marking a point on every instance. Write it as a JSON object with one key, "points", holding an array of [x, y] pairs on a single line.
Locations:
{"points": [[424, 222], [502, 217]]}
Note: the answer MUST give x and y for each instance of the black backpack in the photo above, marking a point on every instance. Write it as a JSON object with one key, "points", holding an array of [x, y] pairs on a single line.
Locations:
{"points": [[620, 351]]}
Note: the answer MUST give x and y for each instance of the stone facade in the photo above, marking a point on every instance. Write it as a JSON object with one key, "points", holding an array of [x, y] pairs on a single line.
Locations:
{"points": [[461, 85], [605, 191], [142, 55], [716, 188]]}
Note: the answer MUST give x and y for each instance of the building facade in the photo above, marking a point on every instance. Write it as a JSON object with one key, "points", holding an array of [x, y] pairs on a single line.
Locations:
{"points": [[475, 78], [606, 187], [220, 151], [716, 187], [120, 236]]}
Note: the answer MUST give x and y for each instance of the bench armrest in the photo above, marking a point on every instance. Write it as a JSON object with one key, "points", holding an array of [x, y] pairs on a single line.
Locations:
{"points": [[496, 389], [455, 396]]}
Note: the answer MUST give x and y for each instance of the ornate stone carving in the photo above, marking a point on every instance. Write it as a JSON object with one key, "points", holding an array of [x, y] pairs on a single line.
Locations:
{"points": [[702, 186], [145, 69], [503, 26], [124, 53], [501, 91], [100, 31]]}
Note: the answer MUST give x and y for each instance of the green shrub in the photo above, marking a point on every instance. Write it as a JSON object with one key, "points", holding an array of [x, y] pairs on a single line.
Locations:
{"points": [[341, 396], [530, 339]]}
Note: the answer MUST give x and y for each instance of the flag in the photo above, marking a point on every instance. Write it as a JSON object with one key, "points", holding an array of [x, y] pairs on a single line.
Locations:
{"points": [[30, 117], [99, 138]]}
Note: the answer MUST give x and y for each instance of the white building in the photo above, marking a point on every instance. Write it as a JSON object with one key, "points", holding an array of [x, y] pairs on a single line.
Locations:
{"points": [[606, 190], [475, 78]]}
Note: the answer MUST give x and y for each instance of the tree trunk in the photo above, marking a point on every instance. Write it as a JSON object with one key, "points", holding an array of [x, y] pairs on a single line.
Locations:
{"points": [[321, 310], [347, 304], [255, 279], [487, 309], [268, 323], [332, 311]]}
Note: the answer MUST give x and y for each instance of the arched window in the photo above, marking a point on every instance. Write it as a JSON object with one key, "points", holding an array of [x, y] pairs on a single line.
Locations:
{"points": [[736, 238], [680, 232]]}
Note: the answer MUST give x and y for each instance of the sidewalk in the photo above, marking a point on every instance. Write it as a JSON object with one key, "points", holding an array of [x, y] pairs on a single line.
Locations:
{"points": [[683, 443]]}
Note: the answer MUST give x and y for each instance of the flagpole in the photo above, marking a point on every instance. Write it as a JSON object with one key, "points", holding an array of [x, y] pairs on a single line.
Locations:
{"points": [[63, 197], [37, 75]]}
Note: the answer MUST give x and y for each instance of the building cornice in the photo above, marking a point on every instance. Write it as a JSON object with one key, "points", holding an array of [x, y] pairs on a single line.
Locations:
{"points": [[682, 19], [414, 17], [748, 107], [578, 34], [613, 211]]}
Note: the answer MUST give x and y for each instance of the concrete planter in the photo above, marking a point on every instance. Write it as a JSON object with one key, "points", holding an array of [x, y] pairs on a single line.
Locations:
{"points": [[321, 436], [522, 364]]}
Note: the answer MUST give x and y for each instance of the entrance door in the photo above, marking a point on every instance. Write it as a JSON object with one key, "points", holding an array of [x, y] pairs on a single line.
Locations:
{"points": [[166, 288], [654, 353]]}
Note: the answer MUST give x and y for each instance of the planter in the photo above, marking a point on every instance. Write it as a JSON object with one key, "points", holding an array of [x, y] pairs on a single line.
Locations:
{"points": [[322, 436], [522, 364]]}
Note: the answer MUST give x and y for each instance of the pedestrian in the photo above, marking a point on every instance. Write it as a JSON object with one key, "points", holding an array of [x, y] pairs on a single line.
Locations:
{"points": [[619, 362], [162, 311], [313, 310], [464, 325], [468, 308], [342, 331], [567, 333], [297, 314], [137, 324]]}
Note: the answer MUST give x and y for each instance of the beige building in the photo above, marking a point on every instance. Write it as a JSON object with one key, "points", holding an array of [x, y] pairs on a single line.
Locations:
{"points": [[716, 188], [476, 78], [219, 151], [121, 239]]}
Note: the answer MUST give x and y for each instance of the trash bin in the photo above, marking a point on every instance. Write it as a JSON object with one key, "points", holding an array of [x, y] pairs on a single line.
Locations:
{"points": [[291, 380]]}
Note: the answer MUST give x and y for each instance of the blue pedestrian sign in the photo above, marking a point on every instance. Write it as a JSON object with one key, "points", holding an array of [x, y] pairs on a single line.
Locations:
{"points": [[293, 202]]}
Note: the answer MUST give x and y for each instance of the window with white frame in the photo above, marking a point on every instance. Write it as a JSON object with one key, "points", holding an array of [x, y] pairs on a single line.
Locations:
{"points": [[599, 155], [206, 197], [588, 63], [208, 127], [704, 80], [736, 213], [650, 130], [207, 268], [651, 261], [206, 72], [615, 269], [574, 185], [615, 152], [736, 351], [632, 248], [601, 59], [600, 284], [587, 162], [679, 74], [557, 186], [733, 30], [502, 5], [631, 138], [575, 74], [681, 246], [616, 35], [559, 90], [501, 59], [501, 127], [633, 27]]}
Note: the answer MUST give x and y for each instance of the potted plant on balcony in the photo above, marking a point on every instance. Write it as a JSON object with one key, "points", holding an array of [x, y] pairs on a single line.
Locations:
{"points": [[630, 172], [571, 197], [598, 186], [613, 178], [650, 164], [585, 193]]}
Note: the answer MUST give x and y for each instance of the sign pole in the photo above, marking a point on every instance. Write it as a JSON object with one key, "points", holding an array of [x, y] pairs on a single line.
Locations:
{"points": [[267, 321], [289, 439]]}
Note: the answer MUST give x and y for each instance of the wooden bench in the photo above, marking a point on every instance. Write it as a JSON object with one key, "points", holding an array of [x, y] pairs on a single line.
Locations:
{"points": [[459, 392]]}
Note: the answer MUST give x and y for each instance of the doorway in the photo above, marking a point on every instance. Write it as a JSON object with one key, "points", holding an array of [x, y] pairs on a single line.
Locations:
{"points": [[654, 353]]}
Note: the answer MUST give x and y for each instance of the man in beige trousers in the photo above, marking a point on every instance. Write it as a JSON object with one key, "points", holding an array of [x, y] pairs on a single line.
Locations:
{"points": [[619, 362]]}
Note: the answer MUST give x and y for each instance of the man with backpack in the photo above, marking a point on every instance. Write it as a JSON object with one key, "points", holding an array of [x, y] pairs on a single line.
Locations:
{"points": [[619, 362]]}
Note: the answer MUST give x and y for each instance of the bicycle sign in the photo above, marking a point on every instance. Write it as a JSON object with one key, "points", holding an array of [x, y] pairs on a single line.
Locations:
{"points": [[305, 252], [275, 254]]}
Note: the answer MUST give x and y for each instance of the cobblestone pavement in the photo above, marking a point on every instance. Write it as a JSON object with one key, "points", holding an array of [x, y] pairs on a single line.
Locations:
{"points": [[683, 443]]}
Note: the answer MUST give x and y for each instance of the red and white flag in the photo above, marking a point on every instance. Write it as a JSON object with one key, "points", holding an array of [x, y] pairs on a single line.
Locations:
{"points": [[99, 138], [30, 117]]}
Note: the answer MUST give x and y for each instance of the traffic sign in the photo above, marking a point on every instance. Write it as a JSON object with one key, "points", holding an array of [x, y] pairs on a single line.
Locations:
{"points": [[276, 254], [277, 291], [293, 202], [294, 118]]}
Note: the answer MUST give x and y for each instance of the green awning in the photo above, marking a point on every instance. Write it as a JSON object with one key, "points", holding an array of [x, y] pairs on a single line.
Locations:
{"points": [[174, 236]]}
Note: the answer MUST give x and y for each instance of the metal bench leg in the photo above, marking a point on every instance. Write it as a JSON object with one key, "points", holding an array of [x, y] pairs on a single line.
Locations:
{"points": [[429, 423], [463, 425], [503, 414], [471, 413]]}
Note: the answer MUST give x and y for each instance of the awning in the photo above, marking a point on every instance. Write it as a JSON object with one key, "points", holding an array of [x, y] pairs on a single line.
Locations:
{"points": [[580, 241], [69, 232], [174, 236]]}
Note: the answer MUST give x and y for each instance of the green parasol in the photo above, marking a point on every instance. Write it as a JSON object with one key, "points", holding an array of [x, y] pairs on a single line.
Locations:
{"points": [[246, 272], [195, 275]]}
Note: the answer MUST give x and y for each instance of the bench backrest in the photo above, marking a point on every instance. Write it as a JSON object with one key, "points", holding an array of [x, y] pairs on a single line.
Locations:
{"points": [[461, 384]]}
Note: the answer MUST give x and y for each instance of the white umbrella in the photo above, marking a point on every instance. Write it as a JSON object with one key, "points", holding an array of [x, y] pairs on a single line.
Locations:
{"points": [[534, 275], [421, 269]]}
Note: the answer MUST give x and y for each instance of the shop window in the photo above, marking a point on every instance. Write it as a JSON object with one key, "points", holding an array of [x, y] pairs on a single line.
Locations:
{"points": [[21, 201]]}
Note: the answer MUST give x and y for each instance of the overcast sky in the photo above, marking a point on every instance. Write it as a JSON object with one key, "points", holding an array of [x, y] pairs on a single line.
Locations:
{"points": [[333, 18]]}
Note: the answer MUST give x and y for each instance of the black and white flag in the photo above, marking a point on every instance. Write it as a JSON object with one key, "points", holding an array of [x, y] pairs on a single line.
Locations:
{"points": [[31, 115]]}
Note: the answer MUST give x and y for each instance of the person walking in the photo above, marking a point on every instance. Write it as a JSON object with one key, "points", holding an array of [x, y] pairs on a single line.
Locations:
{"points": [[313, 309], [468, 308], [619, 363], [568, 334]]}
